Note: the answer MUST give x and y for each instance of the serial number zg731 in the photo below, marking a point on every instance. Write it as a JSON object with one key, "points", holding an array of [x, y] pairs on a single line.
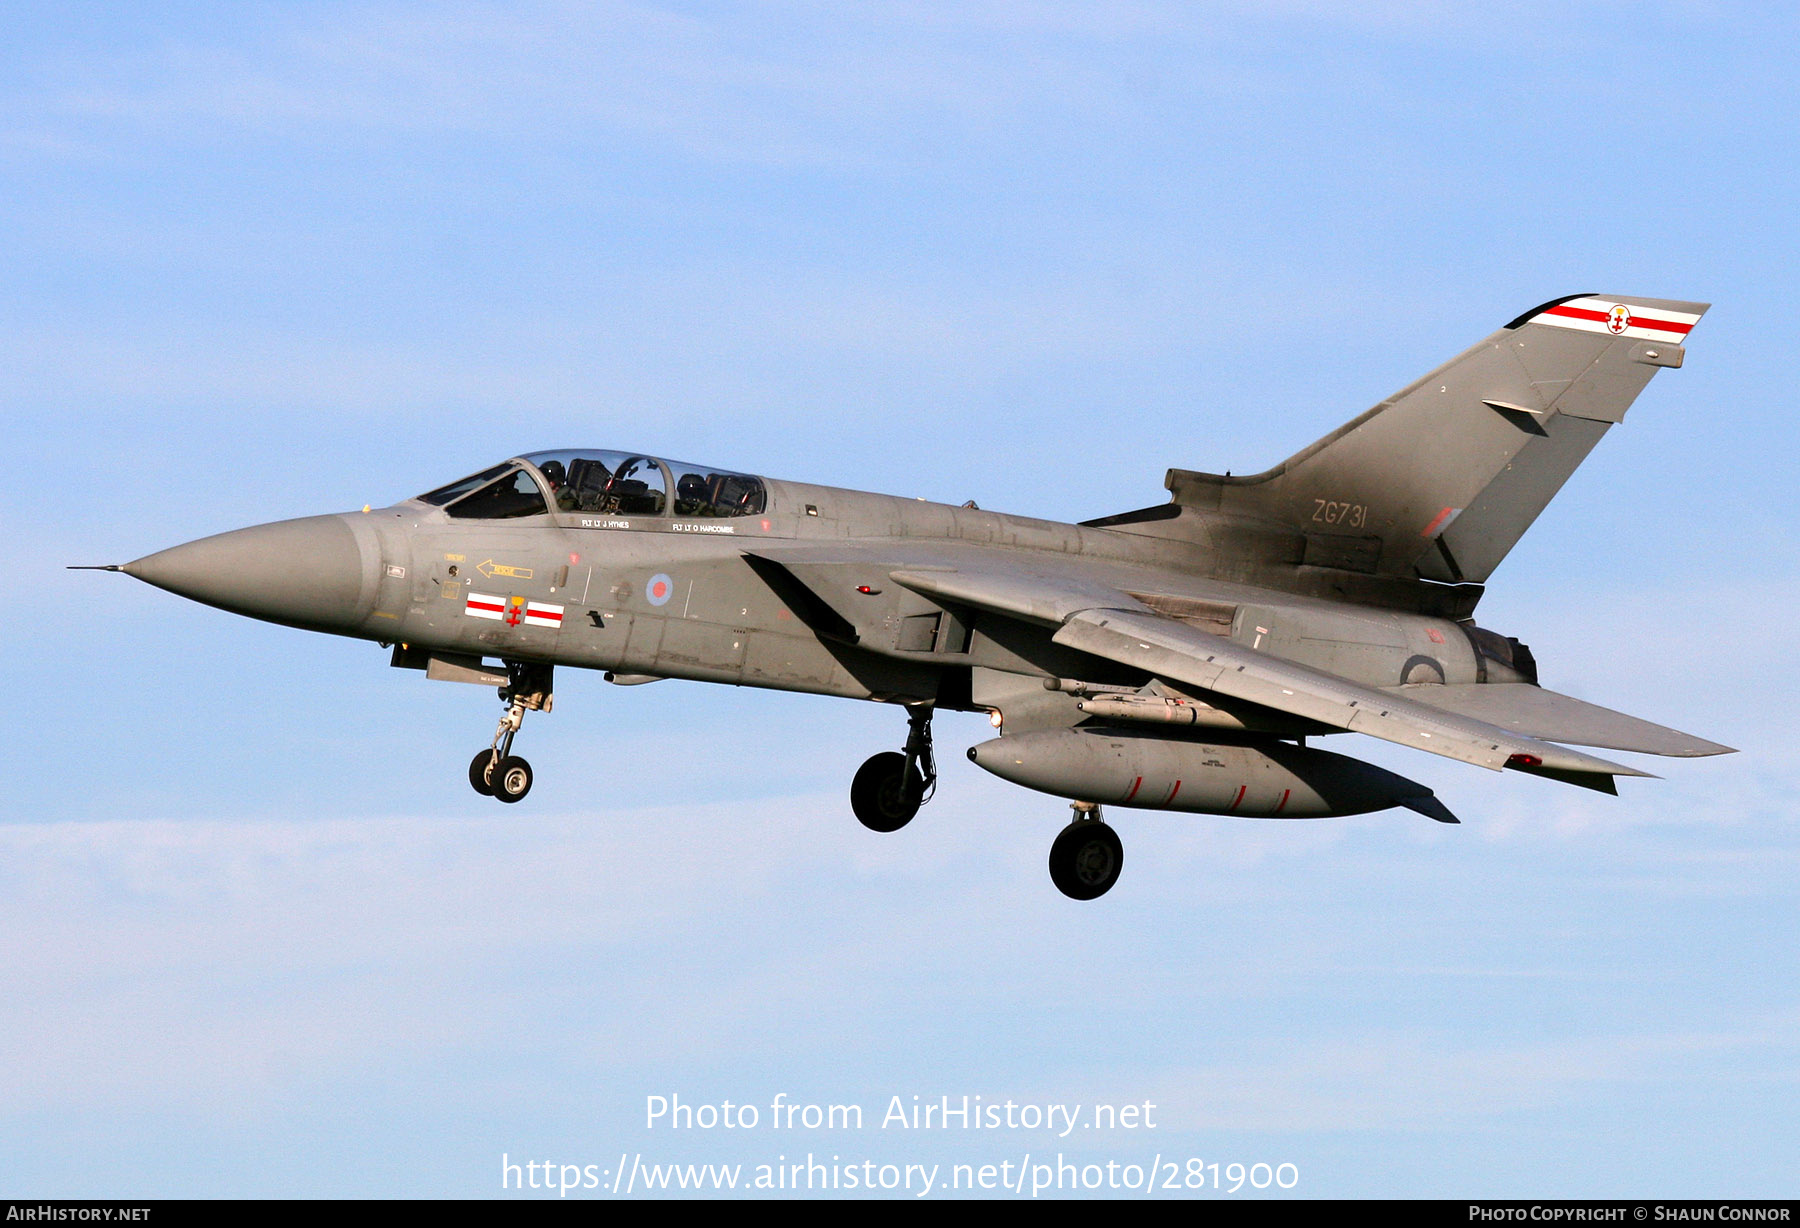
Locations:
{"points": [[1349, 515]]}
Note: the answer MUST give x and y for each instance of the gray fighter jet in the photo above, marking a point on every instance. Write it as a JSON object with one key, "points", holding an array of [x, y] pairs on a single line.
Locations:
{"points": [[1177, 657]]}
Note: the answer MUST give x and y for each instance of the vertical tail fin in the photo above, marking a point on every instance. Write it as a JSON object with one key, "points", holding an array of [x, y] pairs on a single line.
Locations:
{"points": [[1441, 479]]}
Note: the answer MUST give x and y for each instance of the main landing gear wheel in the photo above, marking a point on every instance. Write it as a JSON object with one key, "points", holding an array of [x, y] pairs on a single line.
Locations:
{"points": [[481, 771], [1086, 859], [889, 788], [511, 779], [883, 795]]}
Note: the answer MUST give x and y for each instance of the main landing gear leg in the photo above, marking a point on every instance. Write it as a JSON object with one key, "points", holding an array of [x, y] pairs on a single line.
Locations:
{"points": [[890, 787], [496, 771], [1087, 856]]}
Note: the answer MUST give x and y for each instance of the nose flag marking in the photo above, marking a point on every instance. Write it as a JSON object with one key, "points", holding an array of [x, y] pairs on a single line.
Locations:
{"points": [[515, 611]]}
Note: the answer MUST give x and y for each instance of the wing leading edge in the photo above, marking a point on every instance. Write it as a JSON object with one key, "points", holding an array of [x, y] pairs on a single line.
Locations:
{"points": [[1180, 653], [1538, 713], [1119, 628]]}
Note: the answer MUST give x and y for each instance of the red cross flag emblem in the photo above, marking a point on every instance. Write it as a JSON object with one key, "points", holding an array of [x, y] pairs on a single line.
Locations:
{"points": [[514, 611], [1618, 319]]}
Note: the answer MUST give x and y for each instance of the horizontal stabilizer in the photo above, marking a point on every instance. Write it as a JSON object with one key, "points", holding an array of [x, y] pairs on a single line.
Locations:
{"points": [[1599, 782], [1538, 713]]}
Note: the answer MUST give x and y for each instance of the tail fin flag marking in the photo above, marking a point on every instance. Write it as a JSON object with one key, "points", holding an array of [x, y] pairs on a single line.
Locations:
{"points": [[1619, 318]]}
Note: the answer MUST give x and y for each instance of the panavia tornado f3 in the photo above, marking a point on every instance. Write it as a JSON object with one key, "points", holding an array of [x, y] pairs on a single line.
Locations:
{"points": [[1178, 657]]}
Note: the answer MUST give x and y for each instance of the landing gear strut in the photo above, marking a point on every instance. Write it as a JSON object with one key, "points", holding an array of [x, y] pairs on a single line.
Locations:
{"points": [[889, 788], [496, 771], [1087, 856]]}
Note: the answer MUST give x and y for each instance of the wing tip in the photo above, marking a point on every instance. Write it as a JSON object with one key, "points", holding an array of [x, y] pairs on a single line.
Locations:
{"points": [[1702, 749]]}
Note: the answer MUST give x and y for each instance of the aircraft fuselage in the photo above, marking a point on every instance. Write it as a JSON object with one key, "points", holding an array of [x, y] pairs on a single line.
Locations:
{"points": [[1175, 657], [793, 600]]}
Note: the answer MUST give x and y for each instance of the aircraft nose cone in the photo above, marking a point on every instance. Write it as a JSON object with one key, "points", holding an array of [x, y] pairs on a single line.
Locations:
{"points": [[310, 572]]}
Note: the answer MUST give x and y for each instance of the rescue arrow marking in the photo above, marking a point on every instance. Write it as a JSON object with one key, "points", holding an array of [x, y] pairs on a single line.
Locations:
{"points": [[490, 569]]}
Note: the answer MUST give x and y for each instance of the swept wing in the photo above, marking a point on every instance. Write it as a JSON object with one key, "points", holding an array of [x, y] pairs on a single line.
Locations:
{"points": [[1119, 628], [1541, 713]]}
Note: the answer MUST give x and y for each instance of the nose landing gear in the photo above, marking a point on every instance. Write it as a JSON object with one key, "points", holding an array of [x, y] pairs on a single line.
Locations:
{"points": [[889, 788], [1087, 856], [497, 772]]}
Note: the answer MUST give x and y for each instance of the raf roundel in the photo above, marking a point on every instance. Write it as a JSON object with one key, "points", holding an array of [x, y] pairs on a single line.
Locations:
{"points": [[659, 589]]}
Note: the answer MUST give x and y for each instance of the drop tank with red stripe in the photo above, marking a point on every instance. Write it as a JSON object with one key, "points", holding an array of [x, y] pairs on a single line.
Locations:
{"points": [[1142, 771]]}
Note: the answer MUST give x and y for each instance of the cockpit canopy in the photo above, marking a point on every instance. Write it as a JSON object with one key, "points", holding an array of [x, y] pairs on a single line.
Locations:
{"points": [[610, 483]]}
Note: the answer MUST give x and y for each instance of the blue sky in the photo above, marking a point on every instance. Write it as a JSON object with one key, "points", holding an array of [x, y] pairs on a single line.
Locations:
{"points": [[268, 260]]}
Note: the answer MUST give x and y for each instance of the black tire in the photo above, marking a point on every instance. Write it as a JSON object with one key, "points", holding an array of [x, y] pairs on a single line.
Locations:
{"points": [[881, 796], [511, 778], [1086, 859], [479, 770]]}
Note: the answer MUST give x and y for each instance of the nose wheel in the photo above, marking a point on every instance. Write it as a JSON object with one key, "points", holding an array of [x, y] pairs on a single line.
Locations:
{"points": [[511, 778], [481, 771], [496, 772], [889, 788], [1087, 856]]}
